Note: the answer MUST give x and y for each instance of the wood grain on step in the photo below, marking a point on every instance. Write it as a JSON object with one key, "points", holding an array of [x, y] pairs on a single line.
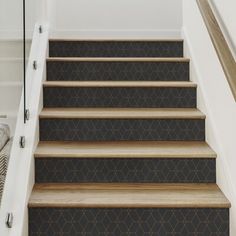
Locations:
{"points": [[121, 113], [130, 84], [128, 196], [113, 40], [125, 149], [118, 59]]}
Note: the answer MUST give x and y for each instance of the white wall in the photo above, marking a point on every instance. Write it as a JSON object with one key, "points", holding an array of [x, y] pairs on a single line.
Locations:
{"points": [[226, 12], [11, 54], [115, 18], [11, 15], [92, 18], [214, 99]]}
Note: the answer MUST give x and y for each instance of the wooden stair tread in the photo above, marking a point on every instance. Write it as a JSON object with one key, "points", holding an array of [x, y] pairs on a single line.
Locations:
{"points": [[128, 195], [113, 40], [119, 59], [124, 149], [170, 84], [122, 113]]}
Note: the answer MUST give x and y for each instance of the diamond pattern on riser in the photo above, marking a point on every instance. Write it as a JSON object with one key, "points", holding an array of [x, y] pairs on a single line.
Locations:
{"points": [[122, 129], [120, 97], [114, 71], [124, 170], [128, 221], [115, 49]]}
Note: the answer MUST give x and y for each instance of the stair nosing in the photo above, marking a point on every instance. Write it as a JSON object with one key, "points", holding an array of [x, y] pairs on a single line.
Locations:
{"points": [[123, 150], [121, 84], [124, 186], [118, 59], [113, 40], [128, 196], [119, 113]]}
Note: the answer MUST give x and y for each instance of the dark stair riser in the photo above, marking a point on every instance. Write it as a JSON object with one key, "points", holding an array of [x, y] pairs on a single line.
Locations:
{"points": [[120, 97], [116, 71], [129, 221], [125, 170], [122, 129], [115, 49]]}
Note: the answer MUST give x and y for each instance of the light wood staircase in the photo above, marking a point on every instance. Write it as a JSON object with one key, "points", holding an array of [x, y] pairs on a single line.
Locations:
{"points": [[122, 146]]}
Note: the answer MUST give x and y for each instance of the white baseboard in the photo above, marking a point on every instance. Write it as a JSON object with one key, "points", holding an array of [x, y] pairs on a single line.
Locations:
{"points": [[117, 34]]}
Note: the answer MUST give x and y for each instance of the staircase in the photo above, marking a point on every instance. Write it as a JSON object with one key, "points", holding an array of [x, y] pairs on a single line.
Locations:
{"points": [[122, 146]]}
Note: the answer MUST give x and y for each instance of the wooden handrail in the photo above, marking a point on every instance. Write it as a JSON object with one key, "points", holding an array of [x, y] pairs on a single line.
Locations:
{"points": [[221, 46]]}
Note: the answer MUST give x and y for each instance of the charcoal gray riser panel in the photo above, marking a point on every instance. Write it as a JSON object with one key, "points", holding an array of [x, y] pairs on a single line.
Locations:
{"points": [[128, 221], [130, 170], [120, 97], [122, 129], [114, 71], [115, 49]]}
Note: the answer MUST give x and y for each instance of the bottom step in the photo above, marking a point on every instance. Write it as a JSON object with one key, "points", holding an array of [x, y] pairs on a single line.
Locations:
{"points": [[128, 221], [124, 209]]}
